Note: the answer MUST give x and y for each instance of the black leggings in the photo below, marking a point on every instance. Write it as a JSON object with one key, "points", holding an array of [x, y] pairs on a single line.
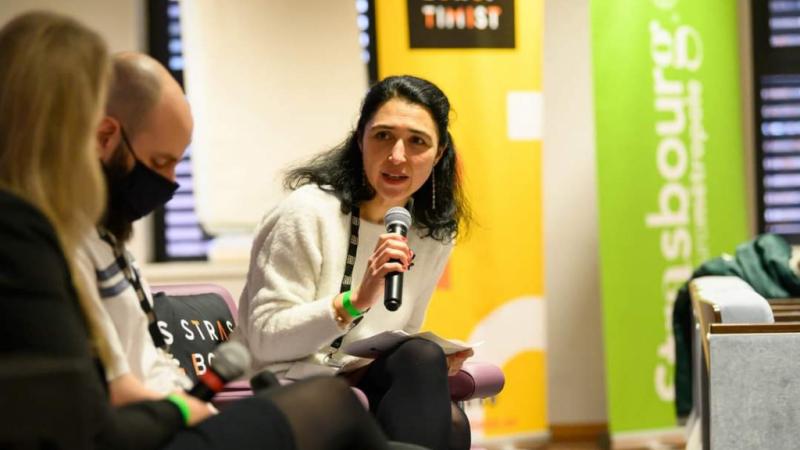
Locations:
{"points": [[409, 394], [320, 413]]}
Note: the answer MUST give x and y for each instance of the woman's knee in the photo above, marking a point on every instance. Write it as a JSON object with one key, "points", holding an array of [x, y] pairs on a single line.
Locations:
{"points": [[419, 353], [334, 390], [322, 392], [323, 383]]}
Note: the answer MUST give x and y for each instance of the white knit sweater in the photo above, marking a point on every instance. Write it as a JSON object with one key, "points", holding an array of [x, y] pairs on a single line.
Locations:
{"points": [[296, 267]]}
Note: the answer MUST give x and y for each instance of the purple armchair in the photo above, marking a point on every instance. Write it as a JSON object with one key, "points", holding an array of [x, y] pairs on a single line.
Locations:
{"points": [[475, 380]]}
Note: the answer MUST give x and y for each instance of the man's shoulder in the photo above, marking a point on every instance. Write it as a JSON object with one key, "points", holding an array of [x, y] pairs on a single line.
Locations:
{"points": [[95, 249], [97, 258]]}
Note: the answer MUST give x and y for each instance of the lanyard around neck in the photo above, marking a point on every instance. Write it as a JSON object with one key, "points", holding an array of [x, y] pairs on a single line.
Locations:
{"points": [[132, 276], [349, 264], [352, 249]]}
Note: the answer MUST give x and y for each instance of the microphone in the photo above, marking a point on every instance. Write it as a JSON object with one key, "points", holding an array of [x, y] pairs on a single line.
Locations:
{"points": [[397, 220], [231, 359]]}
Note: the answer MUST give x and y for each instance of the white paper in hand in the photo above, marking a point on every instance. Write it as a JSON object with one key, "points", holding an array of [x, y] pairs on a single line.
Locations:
{"points": [[373, 346]]}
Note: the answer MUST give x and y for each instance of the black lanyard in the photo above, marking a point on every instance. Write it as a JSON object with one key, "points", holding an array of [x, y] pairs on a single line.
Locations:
{"points": [[352, 248], [132, 276], [350, 262]]}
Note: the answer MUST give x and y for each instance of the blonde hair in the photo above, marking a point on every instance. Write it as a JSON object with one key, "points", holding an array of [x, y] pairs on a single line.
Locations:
{"points": [[53, 79]]}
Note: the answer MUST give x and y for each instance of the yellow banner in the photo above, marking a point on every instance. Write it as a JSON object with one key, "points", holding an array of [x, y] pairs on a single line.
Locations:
{"points": [[493, 289]]}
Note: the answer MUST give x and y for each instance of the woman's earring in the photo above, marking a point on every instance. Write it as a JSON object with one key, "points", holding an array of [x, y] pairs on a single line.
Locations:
{"points": [[433, 189]]}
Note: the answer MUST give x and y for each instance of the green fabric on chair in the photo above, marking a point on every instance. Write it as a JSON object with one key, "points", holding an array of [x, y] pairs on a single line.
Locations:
{"points": [[764, 264]]}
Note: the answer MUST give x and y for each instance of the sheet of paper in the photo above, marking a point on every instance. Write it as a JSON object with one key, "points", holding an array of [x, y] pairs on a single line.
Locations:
{"points": [[373, 346]]}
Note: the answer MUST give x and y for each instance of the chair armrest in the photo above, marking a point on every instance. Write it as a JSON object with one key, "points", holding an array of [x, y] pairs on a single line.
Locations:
{"points": [[476, 380], [232, 392], [237, 385]]}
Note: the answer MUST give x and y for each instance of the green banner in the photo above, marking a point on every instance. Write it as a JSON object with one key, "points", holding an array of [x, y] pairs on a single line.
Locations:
{"points": [[670, 180]]}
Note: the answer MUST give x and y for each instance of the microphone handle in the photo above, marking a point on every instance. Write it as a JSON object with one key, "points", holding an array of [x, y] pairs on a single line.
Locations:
{"points": [[202, 392], [393, 288], [208, 384]]}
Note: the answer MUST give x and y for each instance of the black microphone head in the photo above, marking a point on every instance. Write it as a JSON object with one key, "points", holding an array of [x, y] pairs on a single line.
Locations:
{"points": [[231, 360], [264, 380], [397, 216]]}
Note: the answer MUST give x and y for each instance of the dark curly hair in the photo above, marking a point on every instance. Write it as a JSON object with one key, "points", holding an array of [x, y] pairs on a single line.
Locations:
{"points": [[341, 169]]}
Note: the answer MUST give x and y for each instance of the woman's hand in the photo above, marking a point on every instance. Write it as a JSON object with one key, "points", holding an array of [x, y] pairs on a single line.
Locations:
{"points": [[456, 361], [198, 409], [390, 246]]}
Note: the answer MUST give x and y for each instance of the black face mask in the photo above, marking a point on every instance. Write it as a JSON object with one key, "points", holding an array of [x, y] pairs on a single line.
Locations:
{"points": [[138, 192]]}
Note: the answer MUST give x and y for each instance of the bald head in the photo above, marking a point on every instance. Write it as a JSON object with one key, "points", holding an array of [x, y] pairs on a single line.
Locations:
{"points": [[136, 88], [147, 104]]}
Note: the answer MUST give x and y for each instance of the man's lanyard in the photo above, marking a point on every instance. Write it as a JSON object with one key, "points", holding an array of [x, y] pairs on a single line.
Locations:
{"points": [[132, 276]]}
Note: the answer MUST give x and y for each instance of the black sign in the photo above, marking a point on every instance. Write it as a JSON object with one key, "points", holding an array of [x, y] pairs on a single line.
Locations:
{"points": [[193, 326], [461, 23]]}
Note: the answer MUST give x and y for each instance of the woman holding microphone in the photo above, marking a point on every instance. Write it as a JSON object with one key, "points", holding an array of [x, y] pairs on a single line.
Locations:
{"points": [[320, 257]]}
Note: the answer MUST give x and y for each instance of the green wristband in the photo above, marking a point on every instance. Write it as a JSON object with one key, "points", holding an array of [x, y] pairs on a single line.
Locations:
{"points": [[180, 402], [348, 305]]}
